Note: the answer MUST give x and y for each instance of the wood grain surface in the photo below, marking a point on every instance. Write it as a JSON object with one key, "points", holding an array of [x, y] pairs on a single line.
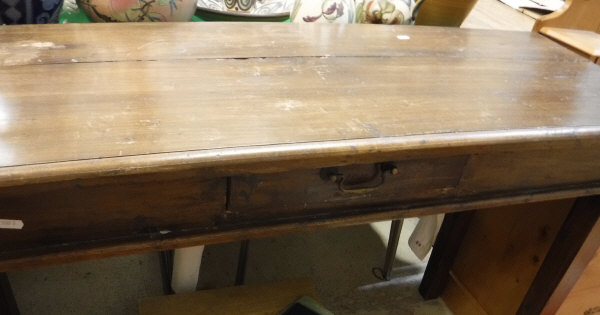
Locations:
{"points": [[587, 42], [85, 43], [109, 133], [579, 288], [103, 248], [564, 250], [495, 15], [94, 100], [87, 213], [444, 12], [269, 298], [280, 196], [501, 253], [575, 14]]}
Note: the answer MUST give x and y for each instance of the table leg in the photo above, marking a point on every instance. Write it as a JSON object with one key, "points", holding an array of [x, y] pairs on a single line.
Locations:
{"points": [[186, 269], [571, 236], [166, 270], [8, 304], [390, 254], [242, 260], [444, 252]]}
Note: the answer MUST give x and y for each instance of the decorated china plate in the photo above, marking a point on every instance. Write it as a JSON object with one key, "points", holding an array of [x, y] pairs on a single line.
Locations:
{"points": [[246, 9]]}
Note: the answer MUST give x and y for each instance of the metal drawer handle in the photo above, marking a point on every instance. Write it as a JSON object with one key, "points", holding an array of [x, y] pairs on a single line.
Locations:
{"points": [[380, 170]]}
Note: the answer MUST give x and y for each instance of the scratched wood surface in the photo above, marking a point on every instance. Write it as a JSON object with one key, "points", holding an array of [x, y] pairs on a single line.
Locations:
{"points": [[106, 99]]}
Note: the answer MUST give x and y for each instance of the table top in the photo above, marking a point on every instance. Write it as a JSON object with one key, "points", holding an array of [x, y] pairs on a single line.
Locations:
{"points": [[82, 100]]}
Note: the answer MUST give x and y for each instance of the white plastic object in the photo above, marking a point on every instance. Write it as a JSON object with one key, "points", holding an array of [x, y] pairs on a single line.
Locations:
{"points": [[422, 238], [186, 269]]}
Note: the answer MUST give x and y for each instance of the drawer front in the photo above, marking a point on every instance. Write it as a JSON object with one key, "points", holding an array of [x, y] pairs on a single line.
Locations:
{"points": [[71, 214], [320, 191]]}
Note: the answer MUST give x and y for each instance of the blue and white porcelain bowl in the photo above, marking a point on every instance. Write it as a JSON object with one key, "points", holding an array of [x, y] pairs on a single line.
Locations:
{"points": [[29, 11]]}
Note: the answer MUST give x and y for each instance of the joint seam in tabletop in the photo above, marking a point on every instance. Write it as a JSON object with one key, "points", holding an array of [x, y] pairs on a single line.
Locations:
{"points": [[262, 41], [452, 55]]}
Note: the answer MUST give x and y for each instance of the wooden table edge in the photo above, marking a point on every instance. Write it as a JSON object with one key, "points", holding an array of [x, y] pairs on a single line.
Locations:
{"points": [[313, 154]]}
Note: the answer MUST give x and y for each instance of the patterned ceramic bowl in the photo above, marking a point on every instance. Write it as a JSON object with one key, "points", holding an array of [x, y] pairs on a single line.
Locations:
{"points": [[138, 10], [29, 11], [356, 11], [254, 7], [324, 11]]}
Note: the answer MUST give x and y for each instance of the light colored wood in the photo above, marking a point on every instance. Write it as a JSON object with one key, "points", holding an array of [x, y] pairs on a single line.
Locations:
{"points": [[566, 251], [581, 276], [110, 117], [459, 299], [584, 296], [267, 299], [585, 41], [503, 250], [444, 12], [494, 15], [575, 14]]}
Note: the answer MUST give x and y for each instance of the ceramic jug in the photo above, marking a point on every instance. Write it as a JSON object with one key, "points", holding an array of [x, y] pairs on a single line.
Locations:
{"points": [[356, 11], [387, 11], [139, 10]]}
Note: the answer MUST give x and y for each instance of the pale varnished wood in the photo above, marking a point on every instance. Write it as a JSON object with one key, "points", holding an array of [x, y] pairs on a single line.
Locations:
{"points": [[202, 107], [586, 42], [459, 300], [501, 253], [579, 288], [495, 15], [575, 14], [584, 296], [568, 244], [444, 12], [268, 298]]}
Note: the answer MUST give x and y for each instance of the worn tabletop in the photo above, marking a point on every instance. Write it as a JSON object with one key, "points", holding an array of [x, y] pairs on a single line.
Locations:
{"points": [[83, 100]]}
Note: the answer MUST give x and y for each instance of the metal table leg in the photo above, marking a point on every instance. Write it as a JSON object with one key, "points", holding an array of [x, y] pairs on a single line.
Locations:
{"points": [[390, 255], [166, 270], [242, 259]]}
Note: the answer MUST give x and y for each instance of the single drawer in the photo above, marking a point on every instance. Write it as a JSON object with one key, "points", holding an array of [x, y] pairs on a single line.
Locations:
{"points": [[321, 191], [108, 210]]}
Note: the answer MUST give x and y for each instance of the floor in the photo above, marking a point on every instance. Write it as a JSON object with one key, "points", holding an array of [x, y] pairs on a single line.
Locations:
{"points": [[339, 261]]}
